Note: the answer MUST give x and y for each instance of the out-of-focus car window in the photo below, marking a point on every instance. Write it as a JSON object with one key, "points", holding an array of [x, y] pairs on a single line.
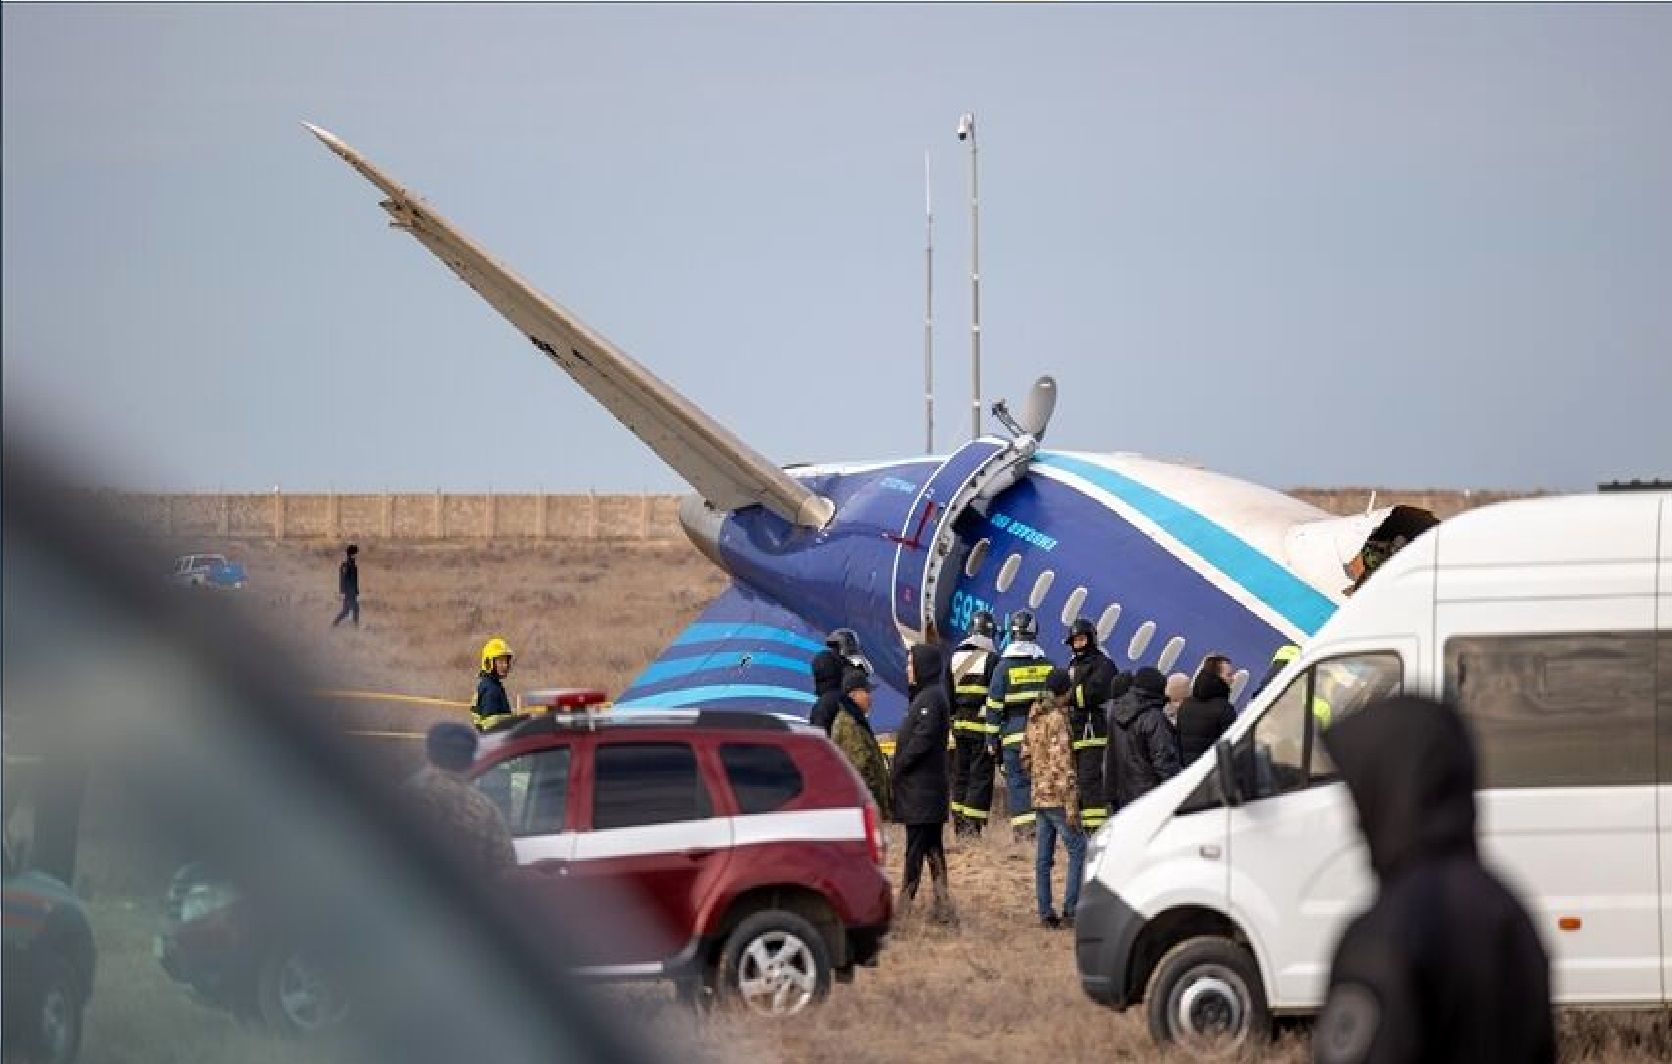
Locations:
{"points": [[226, 843]]}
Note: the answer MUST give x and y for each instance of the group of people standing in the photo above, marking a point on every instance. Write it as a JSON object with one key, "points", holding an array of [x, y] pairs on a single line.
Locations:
{"points": [[1074, 744]]}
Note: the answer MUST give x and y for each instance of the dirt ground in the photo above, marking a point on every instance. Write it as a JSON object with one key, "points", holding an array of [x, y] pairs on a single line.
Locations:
{"points": [[995, 988]]}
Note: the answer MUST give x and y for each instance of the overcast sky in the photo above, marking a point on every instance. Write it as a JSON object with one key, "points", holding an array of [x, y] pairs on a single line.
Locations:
{"points": [[1326, 246]]}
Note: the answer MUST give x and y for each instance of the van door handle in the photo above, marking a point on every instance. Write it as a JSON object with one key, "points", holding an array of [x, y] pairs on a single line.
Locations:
{"points": [[1210, 851]]}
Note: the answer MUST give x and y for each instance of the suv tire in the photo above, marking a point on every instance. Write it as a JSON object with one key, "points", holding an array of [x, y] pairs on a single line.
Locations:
{"points": [[1206, 997], [775, 963]]}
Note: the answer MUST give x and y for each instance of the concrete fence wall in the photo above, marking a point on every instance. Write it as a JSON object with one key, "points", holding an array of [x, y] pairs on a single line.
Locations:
{"points": [[276, 515]]}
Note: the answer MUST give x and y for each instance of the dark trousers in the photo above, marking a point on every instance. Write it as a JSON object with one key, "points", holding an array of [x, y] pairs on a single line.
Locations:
{"points": [[351, 604], [1088, 772], [923, 843], [972, 782]]}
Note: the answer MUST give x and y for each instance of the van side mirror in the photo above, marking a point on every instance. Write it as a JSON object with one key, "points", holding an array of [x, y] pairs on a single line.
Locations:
{"points": [[1225, 766]]}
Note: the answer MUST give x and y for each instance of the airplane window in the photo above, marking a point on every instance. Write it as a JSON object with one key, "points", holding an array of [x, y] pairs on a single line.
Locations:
{"points": [[1141, 640], [1239, 683], [978, 556], [1041, 588], [1007, 574], [1071, 608], [1170, 653], [1106, 623]]}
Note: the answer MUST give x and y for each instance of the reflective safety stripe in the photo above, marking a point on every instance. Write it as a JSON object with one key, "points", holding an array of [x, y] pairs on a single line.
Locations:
{"points": [[484, 723], [1093, 818], [1087, 744], [1029, 673], [1022, 819], [980, 726], [975, 814], [977, 688], [1021, 698], [1286, 652], [993, 703], [1014, 737]]}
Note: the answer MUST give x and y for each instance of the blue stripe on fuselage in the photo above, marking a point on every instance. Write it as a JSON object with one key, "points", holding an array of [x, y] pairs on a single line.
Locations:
{"points": [[1296, 601], [689, 695], [723, 631], [723, 658]]}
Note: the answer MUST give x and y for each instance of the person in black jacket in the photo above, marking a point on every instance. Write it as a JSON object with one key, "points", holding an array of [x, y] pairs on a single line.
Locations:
{"points": [[1142, 749], [841, 653], [348, 586], [922, 791], [1445, 966], [1204, 716]]}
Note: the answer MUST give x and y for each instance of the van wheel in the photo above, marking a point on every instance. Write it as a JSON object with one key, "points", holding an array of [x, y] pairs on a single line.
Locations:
{"points": [[53, 1035], [775, 964], [1205, 996]]}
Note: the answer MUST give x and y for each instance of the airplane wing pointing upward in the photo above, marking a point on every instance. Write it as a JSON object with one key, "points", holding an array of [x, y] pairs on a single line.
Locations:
{"points": [[725, 470]]}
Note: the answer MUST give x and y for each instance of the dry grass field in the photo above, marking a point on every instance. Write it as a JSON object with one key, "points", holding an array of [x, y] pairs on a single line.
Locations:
{"points": [[995, 988]]}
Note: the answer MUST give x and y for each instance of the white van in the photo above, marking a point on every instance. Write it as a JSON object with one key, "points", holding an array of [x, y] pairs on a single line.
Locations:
{"points": [[1218, 898]]}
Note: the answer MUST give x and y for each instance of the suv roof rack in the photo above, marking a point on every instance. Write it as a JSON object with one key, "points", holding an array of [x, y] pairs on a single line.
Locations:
{"points": [[735, 719], [1608, 487]]}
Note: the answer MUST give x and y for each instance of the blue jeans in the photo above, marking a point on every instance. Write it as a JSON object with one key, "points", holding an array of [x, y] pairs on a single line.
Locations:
{"points": [[1018, 789], [1051, 823]]}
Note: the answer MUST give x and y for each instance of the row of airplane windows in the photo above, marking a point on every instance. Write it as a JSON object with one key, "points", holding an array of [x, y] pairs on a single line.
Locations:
{"points": [[1076, 601]]}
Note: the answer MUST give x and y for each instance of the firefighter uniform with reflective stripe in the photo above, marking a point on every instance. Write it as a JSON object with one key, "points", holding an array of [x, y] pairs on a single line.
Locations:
{"points": [[972, 762], [1018, 682], [1093, 676]]}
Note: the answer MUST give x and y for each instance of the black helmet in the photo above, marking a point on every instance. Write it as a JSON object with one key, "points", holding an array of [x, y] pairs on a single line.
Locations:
{"points": [[1082, 626], [844, 641], [1024, 626], [982, 623]]}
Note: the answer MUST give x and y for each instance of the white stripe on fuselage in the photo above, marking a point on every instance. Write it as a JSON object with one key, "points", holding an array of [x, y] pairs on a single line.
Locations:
{"points": [[1220, 580]]}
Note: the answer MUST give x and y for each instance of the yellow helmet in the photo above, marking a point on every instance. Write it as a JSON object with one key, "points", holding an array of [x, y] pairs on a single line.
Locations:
{"points": [[494, 648]]}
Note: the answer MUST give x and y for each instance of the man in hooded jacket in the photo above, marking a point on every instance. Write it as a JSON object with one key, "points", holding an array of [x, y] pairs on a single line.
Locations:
{"points": [[851, 732], [1445, 966], [1207, 713], [919, 781], [1143, 749]]}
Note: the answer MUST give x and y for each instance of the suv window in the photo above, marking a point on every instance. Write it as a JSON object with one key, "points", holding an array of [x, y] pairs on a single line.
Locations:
{"points": [[646, 783], [1285, 754], [532, 790], [762, 777], [1571, 710]]}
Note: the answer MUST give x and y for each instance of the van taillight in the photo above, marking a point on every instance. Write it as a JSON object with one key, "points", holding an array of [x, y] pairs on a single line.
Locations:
{"points": [[873, 833]]}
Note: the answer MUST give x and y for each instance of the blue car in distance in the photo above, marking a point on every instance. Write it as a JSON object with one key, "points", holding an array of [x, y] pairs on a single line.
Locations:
{"points": [[208, 571]]}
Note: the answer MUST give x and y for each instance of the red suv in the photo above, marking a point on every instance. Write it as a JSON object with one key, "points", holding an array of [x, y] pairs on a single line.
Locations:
{"points": [[737, 854]]}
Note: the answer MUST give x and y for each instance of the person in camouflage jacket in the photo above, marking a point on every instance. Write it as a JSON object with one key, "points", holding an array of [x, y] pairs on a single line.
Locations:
{"points": [[468, 819], [1048, 758], [852, 734]]}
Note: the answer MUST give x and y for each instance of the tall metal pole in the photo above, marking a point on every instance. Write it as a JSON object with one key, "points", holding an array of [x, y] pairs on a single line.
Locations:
{"points": [[966, 131], [928, 311]]}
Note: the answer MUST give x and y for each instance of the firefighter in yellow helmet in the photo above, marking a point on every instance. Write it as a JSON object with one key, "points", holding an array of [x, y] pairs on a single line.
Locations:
{"points": [[492, 706]]}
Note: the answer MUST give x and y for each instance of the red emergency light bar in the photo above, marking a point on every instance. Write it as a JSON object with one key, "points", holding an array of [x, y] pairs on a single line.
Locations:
{"points": [[564, 699]]}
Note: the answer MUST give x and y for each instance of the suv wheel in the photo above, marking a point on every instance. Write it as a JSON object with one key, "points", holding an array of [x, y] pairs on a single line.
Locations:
{"points": [[775, 964], [296, 996], [55, 1031], [1206, 997]]}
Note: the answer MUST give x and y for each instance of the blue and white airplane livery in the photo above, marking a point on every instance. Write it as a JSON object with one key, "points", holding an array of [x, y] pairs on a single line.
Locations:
{"points": [[1172, 561]]}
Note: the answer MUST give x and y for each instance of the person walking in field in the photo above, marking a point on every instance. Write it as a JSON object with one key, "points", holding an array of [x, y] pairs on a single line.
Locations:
{"points": [[348, 586]]}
